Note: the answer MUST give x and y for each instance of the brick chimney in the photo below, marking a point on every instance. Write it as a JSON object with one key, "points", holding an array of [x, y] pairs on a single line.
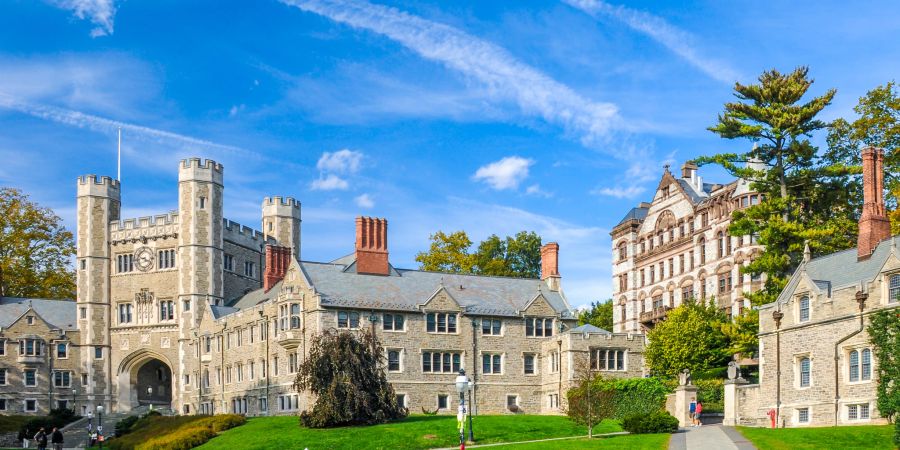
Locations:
{"points": [[277, 261], [550, 265], [371, 246], [874, 225]]}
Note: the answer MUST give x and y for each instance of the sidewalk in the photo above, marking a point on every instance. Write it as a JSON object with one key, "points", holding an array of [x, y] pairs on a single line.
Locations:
{"points": [[709, 437]]}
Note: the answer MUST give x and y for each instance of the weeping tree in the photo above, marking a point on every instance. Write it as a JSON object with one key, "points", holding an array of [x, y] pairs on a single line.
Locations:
{"points": [[346, 373]]}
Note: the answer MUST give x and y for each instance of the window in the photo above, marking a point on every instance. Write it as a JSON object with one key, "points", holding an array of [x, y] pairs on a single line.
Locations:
{"points": [[491, 364], [202, 202], [804, 308], [229, 262], [295, 315], [691, 259], [854, 365], [283, 316], [652, 274], [248, 269], [681, 263], [186, 305], [687, 292], [207, 344], [858, 412], [31, 347], [442, 401], [62, 350], [62, 379], [725, 283], [607, 359], [720, 240], [30, 377], [512, 400], [83, 264], [804, 372], [2, 404], [29, 320], [348, 319], [529, 364], [166, 310], [894, 291], [401, 399], [702, 244], [861, 371], [491, 327], [623, 251], [657, 301], [441, 362], [392, 322], [83, 312], [166, 259], [2, 377], [802, 414], [553, 400], [866, 364], [671, 267], [124, 263], [393, 360], [440, 322], [537, 326], [554, 362], [30, 405], [293, 362], [124, 313], [98, 352], [84, 379]]}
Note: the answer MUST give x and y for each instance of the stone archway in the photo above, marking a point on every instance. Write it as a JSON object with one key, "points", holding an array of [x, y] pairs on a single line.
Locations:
{"points": [[144, 378]]}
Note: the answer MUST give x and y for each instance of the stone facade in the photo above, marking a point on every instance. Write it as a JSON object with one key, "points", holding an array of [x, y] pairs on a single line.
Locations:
{"points": [[677, 247], [195, 312]]}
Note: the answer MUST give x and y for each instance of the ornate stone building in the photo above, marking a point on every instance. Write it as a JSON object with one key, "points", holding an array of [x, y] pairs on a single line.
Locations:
{"points": [[192, 311], [677, 247]]}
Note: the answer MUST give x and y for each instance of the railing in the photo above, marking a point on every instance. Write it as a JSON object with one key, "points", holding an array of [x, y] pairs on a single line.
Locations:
{"points": [[655, 314]]}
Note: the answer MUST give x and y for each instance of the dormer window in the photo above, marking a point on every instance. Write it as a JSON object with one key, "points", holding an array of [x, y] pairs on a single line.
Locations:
{"points": [[804, 308], [29, 320], [440, 322]]}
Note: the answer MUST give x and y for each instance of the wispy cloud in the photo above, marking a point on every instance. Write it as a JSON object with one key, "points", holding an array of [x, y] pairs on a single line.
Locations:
{"points": [[330, 182], [505, 77], [636, 177], [99, 12], [341, 161], [631, 191], [675, 39], [506, 173], [535, 189], [365, 201]]}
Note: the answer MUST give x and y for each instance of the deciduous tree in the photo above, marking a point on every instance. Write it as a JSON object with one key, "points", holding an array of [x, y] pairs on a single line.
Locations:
{"points": [[35, 250], [689, 338], [514, 256], [600, 315], [884, 331]]}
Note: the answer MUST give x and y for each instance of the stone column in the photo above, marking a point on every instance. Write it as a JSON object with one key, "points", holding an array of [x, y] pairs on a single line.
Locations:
{"points": [[732, 408], [683, 396]]}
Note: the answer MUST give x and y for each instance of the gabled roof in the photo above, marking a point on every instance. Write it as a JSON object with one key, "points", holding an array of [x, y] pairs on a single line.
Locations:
{"points": [[59, 314], [588, 328], [254, 298], [639, 214]]}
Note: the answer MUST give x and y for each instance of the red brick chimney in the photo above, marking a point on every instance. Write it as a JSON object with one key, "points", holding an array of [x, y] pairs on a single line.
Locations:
{"points": [[874, 225], [550, 265], [371, 246], [277, 261]]}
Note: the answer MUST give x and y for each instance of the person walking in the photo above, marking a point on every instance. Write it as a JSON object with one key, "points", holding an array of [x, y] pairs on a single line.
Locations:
{"points": [[698, 412], [56, 438], [692, 409], [40, 439]]}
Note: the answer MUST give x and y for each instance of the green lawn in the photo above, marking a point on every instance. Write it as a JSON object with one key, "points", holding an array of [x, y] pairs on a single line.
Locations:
{"points": [[843, 438], [621, 442], [415, 432]]}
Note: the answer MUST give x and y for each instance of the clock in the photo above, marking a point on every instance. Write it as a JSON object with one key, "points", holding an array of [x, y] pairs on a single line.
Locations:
{"points": [[143, 259]]}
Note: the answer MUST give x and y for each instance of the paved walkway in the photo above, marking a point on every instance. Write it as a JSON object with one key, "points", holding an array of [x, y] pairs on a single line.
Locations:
{"points": [[709, 437]]}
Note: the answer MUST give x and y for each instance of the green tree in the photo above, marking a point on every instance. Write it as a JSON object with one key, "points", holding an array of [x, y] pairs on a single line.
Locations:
{"points": [[35, 250], [803, 196], [689, 338], [589, 401], [877, 125], [346, 373], [513, 256], [600, 315], [884, 332]]}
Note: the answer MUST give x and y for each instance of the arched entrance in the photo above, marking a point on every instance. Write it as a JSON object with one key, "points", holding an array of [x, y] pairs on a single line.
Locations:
{"points": [[144, 378]]}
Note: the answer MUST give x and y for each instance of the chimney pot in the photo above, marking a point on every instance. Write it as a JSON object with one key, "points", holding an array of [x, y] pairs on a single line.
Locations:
{"points": [[874, 224], [371, 246], [277, 262], [550, 265]]}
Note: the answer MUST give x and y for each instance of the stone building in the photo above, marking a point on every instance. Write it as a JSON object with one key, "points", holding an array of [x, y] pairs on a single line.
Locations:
{"points": [[817, 366], [191, 311], [677, 247]]}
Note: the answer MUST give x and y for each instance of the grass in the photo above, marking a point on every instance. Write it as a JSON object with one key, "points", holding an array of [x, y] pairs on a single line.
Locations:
{"points": [[843, 438], [621, 442], [414, 432], [13, 423]]}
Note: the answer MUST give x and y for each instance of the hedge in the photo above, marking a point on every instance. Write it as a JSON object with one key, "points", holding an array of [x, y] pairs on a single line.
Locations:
{"points": [[176, 432], [657, 422]]}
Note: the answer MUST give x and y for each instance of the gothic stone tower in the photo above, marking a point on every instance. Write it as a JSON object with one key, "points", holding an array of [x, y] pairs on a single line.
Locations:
{"points": [[281, 220], [98, 203]]}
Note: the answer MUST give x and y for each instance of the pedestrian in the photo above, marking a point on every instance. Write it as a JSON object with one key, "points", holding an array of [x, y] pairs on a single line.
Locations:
{"points": [[698, 412], [693, 411], [56, 438], [40, 439]]}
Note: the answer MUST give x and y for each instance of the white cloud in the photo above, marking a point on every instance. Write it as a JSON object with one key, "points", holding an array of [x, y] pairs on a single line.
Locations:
{"points": [[331, 182], [535, 189], [364, 201], [99, 12], [507, 173], [342, 161], [235, 109], [675, 39], [505, 77], [631, 191]]}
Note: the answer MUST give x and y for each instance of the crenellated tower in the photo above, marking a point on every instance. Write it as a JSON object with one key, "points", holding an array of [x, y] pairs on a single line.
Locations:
{"points": [[200, 255], [98, 203], [281, 220]]}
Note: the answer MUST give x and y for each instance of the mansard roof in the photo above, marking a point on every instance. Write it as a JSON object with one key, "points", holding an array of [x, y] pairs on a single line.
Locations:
{"points": [[406, 290], [59, 314], [841, 269]]}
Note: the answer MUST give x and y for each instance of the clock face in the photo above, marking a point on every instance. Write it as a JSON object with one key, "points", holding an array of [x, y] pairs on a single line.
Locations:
{"points": [[143, 259]]}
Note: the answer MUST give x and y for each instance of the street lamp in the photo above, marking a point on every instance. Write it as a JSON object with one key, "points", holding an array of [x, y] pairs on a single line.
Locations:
{"points": [[462, 385], [100, 424], [150, 396], [74, 393], [90, 415], [471, 407]]}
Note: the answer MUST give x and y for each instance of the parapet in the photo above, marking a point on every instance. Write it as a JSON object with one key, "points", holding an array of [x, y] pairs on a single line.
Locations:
{"points": [[244, 235], [196, 169], [281, 207], [98, 186], [158, 220]]}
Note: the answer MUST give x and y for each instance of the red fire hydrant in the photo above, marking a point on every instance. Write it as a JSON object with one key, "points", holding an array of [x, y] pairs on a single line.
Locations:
{"points": [[772, 413]]}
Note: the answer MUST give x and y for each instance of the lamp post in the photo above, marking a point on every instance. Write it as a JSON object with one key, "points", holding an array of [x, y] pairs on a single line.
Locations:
{"points": [[471, 407], [74, 393], [150, 396], [90, 415], [462, 384], [100, 424]]}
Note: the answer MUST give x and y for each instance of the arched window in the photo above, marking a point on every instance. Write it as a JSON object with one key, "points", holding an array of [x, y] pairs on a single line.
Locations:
{"points": [[894, 293], [804, 308], [702, 244], [804, 372], [720, 245], [854, 365], [623, 251], [623, 314], [866, 364]]}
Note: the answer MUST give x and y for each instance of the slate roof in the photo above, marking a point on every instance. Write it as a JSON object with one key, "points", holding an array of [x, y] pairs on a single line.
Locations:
{"points": [[841, 269], [637, 213], [254, 298], [221, 311], [405, 290], [58, 313], [588, 328]]}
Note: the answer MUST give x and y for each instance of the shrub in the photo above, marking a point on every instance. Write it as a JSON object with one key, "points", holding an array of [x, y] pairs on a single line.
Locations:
{"points": [[226, 422], [429, 413], [635, 396], [657, 422], [711, 393], [182, 439], [125, 425]]}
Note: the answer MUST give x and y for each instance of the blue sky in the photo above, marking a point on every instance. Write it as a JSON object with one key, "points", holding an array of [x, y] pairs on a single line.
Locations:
{"points": [[490, 117]]}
